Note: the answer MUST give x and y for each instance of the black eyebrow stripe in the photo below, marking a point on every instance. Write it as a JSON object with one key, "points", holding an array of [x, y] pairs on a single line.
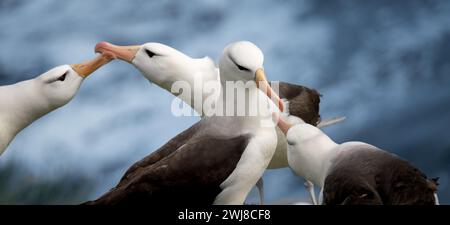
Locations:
{"points": [[232, 60]]}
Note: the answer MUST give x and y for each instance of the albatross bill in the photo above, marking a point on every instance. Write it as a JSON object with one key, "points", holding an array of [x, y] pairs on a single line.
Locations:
{"points": [[88, 67], [125, 53], [263, 84]]}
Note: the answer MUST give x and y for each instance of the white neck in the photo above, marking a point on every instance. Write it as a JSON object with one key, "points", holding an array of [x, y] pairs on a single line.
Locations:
{"points": [[246, 101], [260, 148], [310, 152], [201, 73], [20, 105]]}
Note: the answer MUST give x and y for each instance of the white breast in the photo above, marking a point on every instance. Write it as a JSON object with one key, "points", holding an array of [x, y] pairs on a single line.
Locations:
{"points": [[255, 158], [310, 152], [249, 169]]}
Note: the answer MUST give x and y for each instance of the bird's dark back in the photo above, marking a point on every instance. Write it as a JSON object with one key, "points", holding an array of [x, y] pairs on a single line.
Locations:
{"points": [[370, 176], [303, 101]]}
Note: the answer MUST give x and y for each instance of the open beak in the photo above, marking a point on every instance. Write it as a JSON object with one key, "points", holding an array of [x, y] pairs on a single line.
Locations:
{"points": [[263, 84], [87, 68], [282, 124], [126, 53]]}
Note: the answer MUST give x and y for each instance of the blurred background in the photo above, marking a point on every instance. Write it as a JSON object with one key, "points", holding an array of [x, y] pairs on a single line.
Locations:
{"points": [[383, 64]]}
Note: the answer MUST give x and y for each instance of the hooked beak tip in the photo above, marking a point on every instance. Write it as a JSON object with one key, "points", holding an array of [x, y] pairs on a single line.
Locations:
{"points": [[126, 53], [102, 48], [101, 45], [281, 123]]}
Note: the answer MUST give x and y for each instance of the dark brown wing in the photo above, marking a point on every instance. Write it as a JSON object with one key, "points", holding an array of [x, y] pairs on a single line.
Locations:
{"points": [[408, 185], [191, 174], [369, 176], [344, 188], [303, 101], [165, 150]]}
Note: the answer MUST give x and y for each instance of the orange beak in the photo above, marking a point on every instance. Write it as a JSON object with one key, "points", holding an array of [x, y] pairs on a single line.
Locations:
{"points": [[282, 124], [87, 68], [263, 84], [126, 53]]}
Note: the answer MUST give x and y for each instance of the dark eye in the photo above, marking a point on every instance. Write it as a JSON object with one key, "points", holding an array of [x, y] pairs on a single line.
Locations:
{"points": [[242, 68], [62, 77], [149, 53]]}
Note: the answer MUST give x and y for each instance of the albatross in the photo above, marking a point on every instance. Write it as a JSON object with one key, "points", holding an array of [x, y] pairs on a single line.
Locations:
{"points": [[164, 65], [24, 102], [354, 172], [221, 157]]}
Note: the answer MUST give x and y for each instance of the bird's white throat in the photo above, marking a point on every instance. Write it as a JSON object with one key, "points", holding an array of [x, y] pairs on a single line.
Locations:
{"points": [[209, 97], [310, 152]]}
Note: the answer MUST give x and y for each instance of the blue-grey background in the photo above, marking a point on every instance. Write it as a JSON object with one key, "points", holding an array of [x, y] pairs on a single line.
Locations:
{"points": [[384, 64]]}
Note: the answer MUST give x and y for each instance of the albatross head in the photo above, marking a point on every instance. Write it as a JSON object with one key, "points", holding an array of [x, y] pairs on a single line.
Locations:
{"points": [[309, 150], [243, 61], [159, 63], [59, 85], [27, 101], [240, 61]]}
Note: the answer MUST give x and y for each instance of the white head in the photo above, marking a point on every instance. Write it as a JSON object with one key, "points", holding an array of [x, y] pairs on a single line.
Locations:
{"points": [[310, 150], [24, 102], [161, 64], [240, 61], [57, 86], [243, 61]]}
